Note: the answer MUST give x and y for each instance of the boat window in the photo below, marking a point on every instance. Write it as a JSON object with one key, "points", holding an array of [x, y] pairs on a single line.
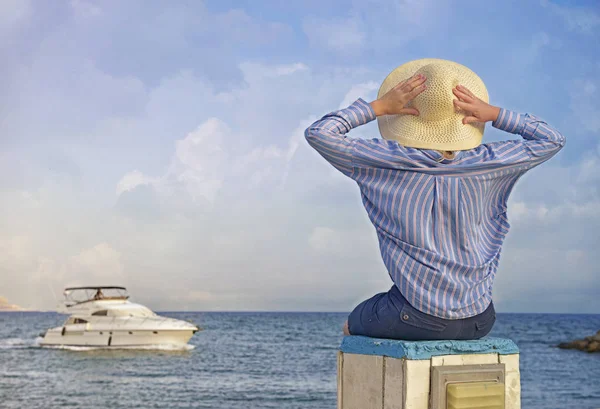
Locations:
{"points": [[102, 313], [117, 313], [79, 321]]}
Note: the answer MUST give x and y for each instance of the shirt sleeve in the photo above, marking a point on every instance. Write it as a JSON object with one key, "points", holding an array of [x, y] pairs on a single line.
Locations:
{"points": [[540, 140], [328, 137]]}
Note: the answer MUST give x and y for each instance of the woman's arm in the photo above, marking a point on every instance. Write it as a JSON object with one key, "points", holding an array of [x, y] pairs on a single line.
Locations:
{"points": [[540, 141], [328, 135]]}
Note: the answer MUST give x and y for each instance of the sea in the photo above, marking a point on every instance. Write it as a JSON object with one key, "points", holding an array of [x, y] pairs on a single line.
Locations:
{"points": [[259, 360]]}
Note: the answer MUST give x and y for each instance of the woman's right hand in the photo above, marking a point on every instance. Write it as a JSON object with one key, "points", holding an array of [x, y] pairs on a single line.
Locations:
{"points": [[475, 109], [395, 100]]}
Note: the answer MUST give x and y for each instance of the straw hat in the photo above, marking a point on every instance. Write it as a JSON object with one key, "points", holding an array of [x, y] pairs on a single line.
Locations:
{"points": [[439, 124]]}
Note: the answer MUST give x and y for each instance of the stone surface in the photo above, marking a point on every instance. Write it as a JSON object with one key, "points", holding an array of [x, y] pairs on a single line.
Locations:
{"points": [[362, 381], [393, 382], [472, 359], [340, 361], [588, 344], [512, 381], [593, 346], [425, 349], [366, 380], [417, 374]]}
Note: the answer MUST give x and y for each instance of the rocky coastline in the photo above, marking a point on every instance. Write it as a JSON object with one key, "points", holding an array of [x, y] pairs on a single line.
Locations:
{"points": [[6, 306], [588, 344]]}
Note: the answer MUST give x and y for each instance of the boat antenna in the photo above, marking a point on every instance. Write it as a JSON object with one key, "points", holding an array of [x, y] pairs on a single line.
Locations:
{"points": [[52, 291]]}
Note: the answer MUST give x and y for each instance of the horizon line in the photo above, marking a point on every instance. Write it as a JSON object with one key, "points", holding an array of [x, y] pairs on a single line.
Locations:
{"points": [[287, 312]]}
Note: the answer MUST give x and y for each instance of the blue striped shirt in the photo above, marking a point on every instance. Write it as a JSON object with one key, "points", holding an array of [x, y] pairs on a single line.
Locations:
{"points": [[440, 222]]}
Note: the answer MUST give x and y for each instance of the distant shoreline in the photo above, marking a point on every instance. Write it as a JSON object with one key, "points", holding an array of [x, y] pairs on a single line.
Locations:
{"points": [[6, 306]]}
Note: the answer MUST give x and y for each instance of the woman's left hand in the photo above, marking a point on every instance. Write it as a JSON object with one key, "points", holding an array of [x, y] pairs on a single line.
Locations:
{"points": [[395, 100]]}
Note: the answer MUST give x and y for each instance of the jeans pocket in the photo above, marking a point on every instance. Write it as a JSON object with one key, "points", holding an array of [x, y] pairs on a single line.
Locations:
{"points": [[484, 324], [411, 316]]}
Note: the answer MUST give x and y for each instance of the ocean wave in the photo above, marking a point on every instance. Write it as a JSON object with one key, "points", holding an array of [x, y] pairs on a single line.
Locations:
{"points": [[18, 343]]}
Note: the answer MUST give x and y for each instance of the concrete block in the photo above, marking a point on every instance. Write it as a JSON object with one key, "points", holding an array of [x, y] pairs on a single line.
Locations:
{"points": [[389, 374], [511, 362], [512, 381], [340, 363], [362, 381], [393, 383], [471, 359], [419, 350], [417, 375]]}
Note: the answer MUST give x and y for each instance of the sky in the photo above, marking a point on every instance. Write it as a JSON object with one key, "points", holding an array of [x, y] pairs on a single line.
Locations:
{"points": [[159, 145]]}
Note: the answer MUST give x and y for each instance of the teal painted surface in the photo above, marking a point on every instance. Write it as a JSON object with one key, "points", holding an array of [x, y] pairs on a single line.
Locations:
{"points": [[426, 349]]}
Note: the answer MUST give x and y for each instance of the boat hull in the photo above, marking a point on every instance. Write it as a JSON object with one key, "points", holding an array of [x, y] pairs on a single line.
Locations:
{"points": [[116, 339]]}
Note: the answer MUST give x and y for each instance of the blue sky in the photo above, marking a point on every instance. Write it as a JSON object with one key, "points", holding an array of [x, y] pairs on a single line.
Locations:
{"points": [[159, 145]]}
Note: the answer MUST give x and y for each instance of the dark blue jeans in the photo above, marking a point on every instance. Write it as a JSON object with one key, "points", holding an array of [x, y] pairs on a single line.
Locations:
{"points": [[389, 315]]}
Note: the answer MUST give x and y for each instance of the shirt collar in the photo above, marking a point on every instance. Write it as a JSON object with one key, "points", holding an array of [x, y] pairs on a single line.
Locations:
{"points": [[433, 154]]}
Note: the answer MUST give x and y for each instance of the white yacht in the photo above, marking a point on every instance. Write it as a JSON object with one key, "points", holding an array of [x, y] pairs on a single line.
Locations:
{"points": [[104, 317]]}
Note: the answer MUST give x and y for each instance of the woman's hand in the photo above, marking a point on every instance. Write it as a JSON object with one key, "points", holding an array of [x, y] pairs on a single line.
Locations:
{"points": [[395, 100], [475, 109]]}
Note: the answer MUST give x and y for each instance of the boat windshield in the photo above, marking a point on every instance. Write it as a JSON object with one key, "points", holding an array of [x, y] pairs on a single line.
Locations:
{"points": [[77, 295]]}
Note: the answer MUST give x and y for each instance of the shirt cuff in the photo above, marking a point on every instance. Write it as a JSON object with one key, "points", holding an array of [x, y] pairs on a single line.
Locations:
{"points": [[509, 121], [359, 113]]}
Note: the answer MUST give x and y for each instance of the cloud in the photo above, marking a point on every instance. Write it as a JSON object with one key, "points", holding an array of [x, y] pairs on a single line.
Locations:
{"points": [[364, 90], [85, 10], [530, 52], [243, 28], [228, 212], [13, 13], [540, 213], [539, 40], [132, 180], [210, 155], [580, 19], [374, 27], [585, 100], [47, 275], [326, 240], [200, 158], [342, 35], [272, 71], [552, 247], [100, 262], [162, 147], [15, 22]]}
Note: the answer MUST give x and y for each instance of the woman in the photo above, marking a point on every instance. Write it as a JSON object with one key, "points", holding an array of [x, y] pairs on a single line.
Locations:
{"points": [[436, 196]]}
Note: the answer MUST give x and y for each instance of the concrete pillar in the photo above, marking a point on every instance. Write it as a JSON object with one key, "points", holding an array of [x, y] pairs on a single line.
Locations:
{"points": [[389, 374]]}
